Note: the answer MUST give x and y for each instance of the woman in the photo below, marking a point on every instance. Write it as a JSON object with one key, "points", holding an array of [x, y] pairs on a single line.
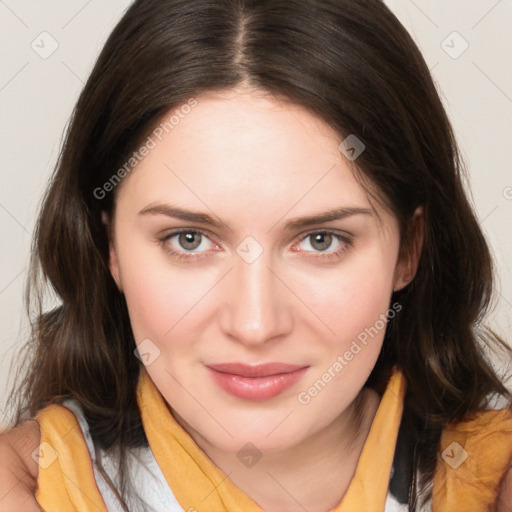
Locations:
{"points": [[272, 282]]}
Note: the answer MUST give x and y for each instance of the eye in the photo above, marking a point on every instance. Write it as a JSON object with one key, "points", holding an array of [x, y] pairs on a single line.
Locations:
{"points": [[325, 244], [320, 241], [189, 240], [185, 243]]}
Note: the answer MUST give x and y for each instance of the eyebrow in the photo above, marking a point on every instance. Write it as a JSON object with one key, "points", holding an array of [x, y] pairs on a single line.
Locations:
{"points": [[296, 223]]}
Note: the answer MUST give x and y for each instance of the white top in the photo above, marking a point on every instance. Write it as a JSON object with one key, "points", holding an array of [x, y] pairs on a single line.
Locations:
{"points": [[148, 481]]}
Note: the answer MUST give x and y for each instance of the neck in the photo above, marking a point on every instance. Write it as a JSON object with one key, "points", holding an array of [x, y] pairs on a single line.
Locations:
{"points": [[312, 475]]}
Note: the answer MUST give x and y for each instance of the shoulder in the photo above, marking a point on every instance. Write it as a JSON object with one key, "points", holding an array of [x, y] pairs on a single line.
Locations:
{"points": [[24, 440], [64, 427], [489, 421], [474, 457], [148, 489], [490, 435], [487, 429]]}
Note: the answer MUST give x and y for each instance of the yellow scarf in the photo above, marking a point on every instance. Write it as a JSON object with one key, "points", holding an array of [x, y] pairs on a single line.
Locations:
{"points": [[199, 485], [66, 480]]}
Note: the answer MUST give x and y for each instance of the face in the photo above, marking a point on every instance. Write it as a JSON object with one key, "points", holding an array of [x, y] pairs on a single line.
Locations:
{"points": [[219, 263]]}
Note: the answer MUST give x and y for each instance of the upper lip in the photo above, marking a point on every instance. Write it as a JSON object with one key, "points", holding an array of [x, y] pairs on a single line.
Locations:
{"points": [[256, 370]]}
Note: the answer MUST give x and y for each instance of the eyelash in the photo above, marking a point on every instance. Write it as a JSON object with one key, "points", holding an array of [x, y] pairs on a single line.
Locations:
{"points": [[189, 256]]}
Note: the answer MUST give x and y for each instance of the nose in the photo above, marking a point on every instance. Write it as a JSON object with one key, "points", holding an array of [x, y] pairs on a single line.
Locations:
{"points": [[256, 310]]}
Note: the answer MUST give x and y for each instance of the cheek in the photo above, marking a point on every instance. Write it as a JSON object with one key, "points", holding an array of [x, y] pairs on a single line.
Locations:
{"points": [[157, 293], [351, 298], [354, 306], [147, 305]]}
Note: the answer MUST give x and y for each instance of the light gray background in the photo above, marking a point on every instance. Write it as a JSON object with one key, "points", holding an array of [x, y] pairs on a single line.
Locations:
{"points": [[37, 96]]}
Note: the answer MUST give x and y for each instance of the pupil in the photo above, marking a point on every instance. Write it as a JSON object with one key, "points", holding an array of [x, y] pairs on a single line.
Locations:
{"points": [[187, 240], [324, 239]]}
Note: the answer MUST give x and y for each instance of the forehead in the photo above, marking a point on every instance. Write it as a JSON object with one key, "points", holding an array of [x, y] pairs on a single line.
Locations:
{"points": [[244, 152]]}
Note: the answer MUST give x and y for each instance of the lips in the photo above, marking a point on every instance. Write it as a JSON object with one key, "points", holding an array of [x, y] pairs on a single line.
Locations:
{"points": [[254, 371], [256, 382]]}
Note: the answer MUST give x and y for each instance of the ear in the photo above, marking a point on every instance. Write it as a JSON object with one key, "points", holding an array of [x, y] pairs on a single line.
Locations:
{"points": [[112, 259], [410, 252]]}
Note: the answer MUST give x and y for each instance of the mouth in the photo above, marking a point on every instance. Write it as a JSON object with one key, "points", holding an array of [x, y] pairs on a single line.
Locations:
{"points": [[256, 382]]}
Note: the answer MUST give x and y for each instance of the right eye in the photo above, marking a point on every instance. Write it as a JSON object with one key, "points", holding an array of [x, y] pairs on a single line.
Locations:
{"points": [[185, 243]]}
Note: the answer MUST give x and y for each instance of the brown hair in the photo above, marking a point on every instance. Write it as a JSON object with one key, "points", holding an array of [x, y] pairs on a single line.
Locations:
{"points": [[353, 65]]}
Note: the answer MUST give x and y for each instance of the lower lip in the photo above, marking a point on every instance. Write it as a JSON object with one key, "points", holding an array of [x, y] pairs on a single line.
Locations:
{"points": [[257, 388]]}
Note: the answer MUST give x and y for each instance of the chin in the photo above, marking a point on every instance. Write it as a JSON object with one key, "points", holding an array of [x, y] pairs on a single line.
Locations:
{"points": [[262, 434], [253, 441]]}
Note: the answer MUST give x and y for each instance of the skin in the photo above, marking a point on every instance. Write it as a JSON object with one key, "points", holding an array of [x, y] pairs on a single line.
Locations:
{"points": [[255, 163], [284, 306], [18, 470], [504, 500]]}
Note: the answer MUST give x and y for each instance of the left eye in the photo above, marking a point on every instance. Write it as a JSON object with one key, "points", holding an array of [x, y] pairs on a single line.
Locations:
{"points": [[323, 240]]}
